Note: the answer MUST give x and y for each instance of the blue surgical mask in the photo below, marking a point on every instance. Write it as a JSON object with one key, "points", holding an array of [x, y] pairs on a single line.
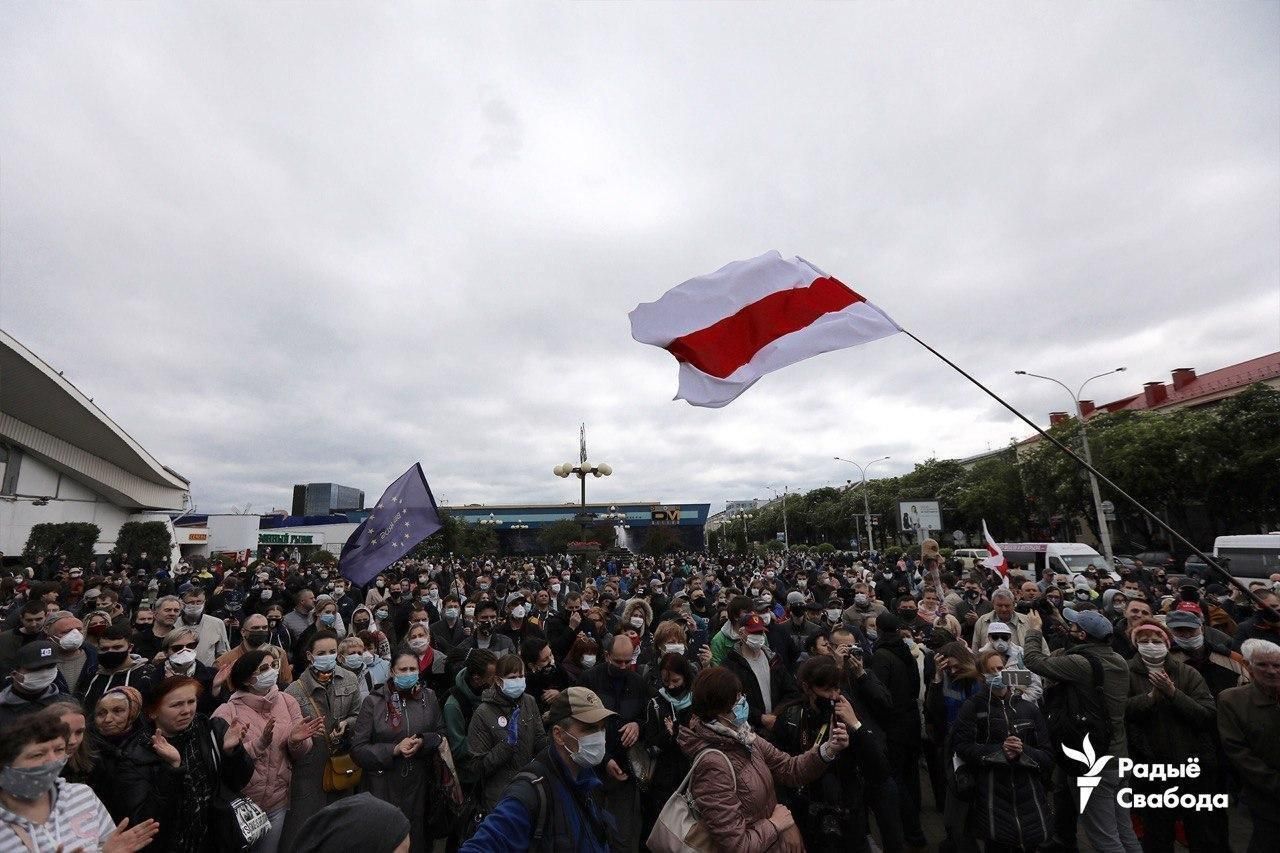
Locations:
{"points": [[741, 710], [513, 688], [995, 681], [328, 619], [325, 663], [353, 661], [406, 681], [678, 703]]}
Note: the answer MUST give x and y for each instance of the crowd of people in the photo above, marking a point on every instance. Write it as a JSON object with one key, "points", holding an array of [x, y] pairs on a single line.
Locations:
{"points": [[789, 702]]}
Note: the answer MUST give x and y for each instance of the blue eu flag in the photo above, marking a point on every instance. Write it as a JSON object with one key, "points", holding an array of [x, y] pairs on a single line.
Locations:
{"points": [[404, 516]]}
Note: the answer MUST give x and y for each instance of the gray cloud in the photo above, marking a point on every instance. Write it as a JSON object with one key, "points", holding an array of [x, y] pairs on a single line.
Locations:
{"points": [[283, 243]]}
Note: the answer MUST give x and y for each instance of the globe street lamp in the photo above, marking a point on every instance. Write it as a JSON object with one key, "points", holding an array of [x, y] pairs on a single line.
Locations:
{"points": [[584, 468], [866, 502], [744, 515], [1103, 531]]}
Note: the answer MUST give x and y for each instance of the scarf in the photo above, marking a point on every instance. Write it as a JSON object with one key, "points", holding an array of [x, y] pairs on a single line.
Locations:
{"points": [[424, 662], [198, 786], [743, 735], [677, 704]]}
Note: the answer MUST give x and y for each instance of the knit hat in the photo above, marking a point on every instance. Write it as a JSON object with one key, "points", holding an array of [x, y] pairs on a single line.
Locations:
{"points": [[1151, 625], [794, 597], [362, 822]]}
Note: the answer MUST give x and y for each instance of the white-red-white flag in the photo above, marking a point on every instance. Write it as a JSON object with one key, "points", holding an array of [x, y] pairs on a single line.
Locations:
{"points": [[996, 561], [748, 318]]}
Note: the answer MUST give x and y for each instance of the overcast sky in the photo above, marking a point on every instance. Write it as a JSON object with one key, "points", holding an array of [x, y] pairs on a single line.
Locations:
{"points": [[296, 242]]}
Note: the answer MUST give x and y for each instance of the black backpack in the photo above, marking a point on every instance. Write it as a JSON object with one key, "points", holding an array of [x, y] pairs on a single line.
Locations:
{"points": [[1072, 712]]}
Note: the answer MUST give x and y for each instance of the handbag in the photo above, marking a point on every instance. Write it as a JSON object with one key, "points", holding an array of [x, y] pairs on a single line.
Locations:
{"points": [[238, 822], [679, 828], [641, 764], [341, 773]]}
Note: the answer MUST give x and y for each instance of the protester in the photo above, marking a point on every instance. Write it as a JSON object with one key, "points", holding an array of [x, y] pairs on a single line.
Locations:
{"points": [[1249, 725], [361, 822], [397, 734], [80, 755], [32, 686], [505, 731], [116, 719], [664, 715], [118, 666]]}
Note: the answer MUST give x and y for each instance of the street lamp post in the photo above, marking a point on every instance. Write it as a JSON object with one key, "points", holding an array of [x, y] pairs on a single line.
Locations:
{"points": [[744, 515], [1103, 530], [866, 502], [584, 468], [786, 536]]}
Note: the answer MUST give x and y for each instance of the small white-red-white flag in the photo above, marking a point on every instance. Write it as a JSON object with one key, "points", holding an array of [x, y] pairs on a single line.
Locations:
{"points": [[996, 561], [748, 318]]}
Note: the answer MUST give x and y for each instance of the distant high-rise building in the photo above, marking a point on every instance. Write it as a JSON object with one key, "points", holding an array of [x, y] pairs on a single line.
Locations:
{"points": [[325, 498]]}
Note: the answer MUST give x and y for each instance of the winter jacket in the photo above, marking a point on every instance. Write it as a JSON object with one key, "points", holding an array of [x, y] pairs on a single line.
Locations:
{"points": [[735, 805], [623, 693], [1010, 806], [140, 674], [782, 686], [273, 766], [338, 701], [1220, 667], [1073, 668], [1249, 726], [901, 678], [211, 636], [147, 787], [1170, 729], [458, 708], [504, 735], [669, 761]]}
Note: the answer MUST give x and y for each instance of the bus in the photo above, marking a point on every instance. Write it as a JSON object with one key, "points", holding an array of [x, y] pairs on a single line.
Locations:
{"points": [[1249, 558]]}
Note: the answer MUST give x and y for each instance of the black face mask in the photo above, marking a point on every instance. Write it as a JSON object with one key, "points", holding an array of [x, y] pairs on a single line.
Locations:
{"points": [[824, 706], [255, 638], [112, 660]]}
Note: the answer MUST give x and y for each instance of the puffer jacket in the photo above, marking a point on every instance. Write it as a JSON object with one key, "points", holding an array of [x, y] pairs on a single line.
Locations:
{"points": [[496, 722], [1169, 729], [735, 806], [1010, 806], [273, 766]]}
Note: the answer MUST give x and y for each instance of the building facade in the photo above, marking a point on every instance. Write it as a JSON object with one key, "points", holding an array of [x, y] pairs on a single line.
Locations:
{"points": [[325, 498]]}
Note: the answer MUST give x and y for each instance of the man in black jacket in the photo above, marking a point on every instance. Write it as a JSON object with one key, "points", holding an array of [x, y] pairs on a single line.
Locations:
{"points": [[896, 667], [623, 692]]}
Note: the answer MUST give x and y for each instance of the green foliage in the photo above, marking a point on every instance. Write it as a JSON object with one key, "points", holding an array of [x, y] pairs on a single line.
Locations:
{"points": [[321, 555], [143, 537], [456, 536], [71, 539], [824, 549], [555, 537]]}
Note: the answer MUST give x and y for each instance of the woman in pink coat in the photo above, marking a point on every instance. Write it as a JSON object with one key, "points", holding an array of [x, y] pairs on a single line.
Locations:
{"points": [[278, 735]]}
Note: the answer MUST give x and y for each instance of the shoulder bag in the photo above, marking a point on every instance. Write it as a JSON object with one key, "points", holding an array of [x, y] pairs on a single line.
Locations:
{"points": [[236, 821], [341, 773], [679, 828]]}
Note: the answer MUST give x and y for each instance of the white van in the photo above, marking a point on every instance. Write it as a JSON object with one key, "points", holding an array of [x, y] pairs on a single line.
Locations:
{"points": [[968, 557], [1065, 558], [1250, 558]]}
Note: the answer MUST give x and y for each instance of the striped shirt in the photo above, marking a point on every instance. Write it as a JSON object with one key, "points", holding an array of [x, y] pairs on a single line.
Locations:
{"points": [[78, 819]]}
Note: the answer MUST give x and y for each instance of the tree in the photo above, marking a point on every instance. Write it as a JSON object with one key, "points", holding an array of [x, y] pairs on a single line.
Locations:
{"points": [[555, 537], [143, 537], [71, 539], [659, 540], [992, 490]]}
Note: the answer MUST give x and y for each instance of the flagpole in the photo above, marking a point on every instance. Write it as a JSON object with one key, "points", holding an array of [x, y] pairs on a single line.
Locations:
{"points": [[1103, 477]]}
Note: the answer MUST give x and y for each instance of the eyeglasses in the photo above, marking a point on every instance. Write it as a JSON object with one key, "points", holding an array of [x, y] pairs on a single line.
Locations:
{"points": [[177, 647]]}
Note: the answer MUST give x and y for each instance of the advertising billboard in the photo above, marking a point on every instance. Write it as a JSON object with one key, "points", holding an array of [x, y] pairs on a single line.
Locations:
{"points": [[919, 515]]}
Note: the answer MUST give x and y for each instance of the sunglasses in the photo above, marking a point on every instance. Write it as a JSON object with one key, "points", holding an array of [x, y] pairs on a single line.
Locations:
{"points": [[177, 647]]}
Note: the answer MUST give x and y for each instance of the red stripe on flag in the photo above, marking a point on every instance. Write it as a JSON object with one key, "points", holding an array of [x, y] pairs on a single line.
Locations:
{"points": [[723, 347]]}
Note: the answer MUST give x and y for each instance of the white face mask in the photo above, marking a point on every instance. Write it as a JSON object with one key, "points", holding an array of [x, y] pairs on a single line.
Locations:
{"points": [[591, 749], [71, 640], [1191, 644], [266, 680], [767, 617], [637, 621], [183, 658], [517, 612], [833, 615], [1153, 653], [419, 644], [588, 661], [39, 680], [673, 649], [756, 640]]}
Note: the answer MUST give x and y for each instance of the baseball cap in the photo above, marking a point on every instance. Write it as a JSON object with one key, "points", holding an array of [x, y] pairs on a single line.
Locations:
{"points": [[580, 703], [753, 624], [1091, 622], [794, 598], [1183, 619], [1188, 607], [36, 655]]}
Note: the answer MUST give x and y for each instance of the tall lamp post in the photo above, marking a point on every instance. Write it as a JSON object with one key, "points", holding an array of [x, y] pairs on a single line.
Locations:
{"points": [[1103, 531], [744, 515], [786, 536], [866, 502], [584, 468]]}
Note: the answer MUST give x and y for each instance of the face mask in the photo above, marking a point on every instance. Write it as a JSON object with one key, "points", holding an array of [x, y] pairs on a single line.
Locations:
{"points": [[484, 587], [741, 711], [833, 615], [555, 588], [1191, 644], [71, 640], [451, 614], [433, 594], [266, 680], [588, 661], [911, 643], [679, 703], [184, 658], [1153, 653], [355, 662], [369, 658], [328, 619], [1001, 646], [470, 612], [860, 599], [756, 640], [673, 649], [406, 681], [30, 783], [590, 750], [419, 644], [767, 617], [381, 584], [325, 663], [382, 615], [513, 688], [517, 612], [995, 681], [111, 660], [39, 680], [255, 638], [637, 622], [193, 611]]}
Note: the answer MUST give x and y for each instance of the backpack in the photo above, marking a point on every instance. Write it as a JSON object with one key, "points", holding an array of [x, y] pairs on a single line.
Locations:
{"points": [[1072, 713]]}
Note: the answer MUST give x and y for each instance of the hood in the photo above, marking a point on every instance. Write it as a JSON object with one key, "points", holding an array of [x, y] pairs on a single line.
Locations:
{"points": [[638, 604], [367, 609], [460, 682], [8, 697], [696, 736]]}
